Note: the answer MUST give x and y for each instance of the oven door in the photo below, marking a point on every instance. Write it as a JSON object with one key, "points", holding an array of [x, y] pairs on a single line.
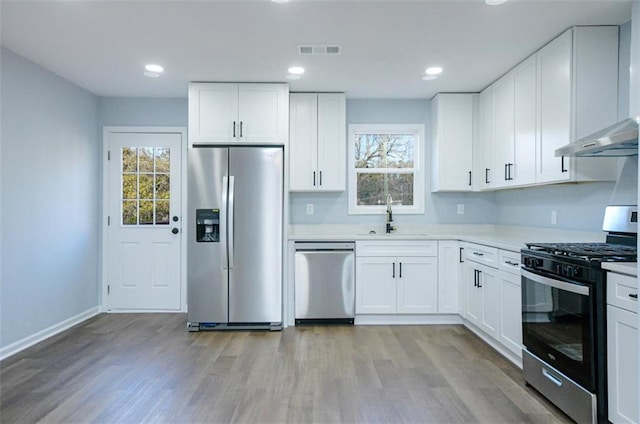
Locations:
{"points": [[558, 325]]}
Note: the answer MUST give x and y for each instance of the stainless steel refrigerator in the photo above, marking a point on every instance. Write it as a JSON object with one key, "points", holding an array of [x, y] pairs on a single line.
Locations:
{"points": [[234, 253]]}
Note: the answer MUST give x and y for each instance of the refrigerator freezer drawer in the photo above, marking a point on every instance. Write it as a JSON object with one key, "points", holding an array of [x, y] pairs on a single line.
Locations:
{"points": [[324, 285]]}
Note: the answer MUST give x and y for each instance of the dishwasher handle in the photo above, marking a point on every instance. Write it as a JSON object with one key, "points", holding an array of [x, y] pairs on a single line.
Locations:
{"points": [[325, 246]]}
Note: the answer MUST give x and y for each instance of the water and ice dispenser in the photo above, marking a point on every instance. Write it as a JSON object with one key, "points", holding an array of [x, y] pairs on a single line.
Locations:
{"points": [[207, 225]]}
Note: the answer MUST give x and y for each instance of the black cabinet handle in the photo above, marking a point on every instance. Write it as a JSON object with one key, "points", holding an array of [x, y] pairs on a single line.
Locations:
{"points": [[478, 254], [475, 278], [461, 249], [240, 129], [562, 168], [393, 273], [320, 177], [479, 285], [486, 175], [469, 177], [633, 295], [314, 178], [234, 129], [400, 275], [509, 167]]}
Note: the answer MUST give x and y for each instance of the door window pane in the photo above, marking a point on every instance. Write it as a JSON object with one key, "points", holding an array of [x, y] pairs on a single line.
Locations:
{"points": [[146, 189]]}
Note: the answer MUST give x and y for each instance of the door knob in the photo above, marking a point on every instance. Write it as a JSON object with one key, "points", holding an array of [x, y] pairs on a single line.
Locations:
{"points": [[174, 230], [175, 219]]}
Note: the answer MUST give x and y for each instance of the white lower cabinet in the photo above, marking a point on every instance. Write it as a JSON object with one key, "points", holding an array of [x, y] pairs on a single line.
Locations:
{"points": [[406, 284], [622, 348], [510, 308], [449, 265], [482, 297], [493, 301]]}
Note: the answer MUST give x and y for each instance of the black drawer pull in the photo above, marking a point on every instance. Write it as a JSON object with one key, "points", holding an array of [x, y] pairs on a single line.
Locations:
{"points": [[633, 295], [478, 254]]}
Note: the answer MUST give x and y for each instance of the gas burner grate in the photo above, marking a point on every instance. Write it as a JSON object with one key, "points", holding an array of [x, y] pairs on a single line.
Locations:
{"points": [[605, 252]]}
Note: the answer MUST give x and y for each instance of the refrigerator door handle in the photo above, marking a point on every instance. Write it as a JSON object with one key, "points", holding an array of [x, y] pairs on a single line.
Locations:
{"points": [[230, 219], [223, 221]]}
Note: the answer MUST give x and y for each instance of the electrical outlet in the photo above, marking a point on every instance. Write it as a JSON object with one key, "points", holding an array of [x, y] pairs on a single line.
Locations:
{"points": [[310, 209], [460, 208], [554, 217]]}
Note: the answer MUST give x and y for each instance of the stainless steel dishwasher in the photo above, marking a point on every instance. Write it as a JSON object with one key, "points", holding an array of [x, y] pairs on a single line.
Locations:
{"points": [[324, 282]]}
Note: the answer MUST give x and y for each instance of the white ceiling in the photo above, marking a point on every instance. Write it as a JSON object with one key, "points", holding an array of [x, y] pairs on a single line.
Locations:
{"points": [[104, 45]]}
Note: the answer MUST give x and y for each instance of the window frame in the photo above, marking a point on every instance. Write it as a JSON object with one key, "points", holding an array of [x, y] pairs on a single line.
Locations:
{"points": [[418, 130]]}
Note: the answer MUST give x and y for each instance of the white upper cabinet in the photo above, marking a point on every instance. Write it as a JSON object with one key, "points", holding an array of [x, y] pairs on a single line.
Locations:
{"points": [[503, 130], [523, 170], [577, 95], [483, 143], [317, 153], [452, 123], [231, 113]]}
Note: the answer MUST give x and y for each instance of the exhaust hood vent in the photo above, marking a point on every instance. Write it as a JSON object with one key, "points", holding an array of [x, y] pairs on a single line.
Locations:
{"points": [[620, 139], [321, 50]]}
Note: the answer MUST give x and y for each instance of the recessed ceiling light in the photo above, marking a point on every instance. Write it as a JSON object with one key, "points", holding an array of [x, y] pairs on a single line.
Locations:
{"points": [[434, 70], [154, 68], [280, 1], [494, 2], [293, 77], [151, 74], [296, 70], [429, 77]]}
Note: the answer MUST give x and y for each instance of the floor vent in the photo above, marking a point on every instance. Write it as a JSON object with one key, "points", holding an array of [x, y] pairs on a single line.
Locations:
{"points": [[320, 49]]}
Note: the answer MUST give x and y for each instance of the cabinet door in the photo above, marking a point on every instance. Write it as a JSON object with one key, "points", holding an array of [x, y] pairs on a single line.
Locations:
{"points": [[303, 141], [524, 170], [503, 130], [264, 113], [213, 110], [473, 296], [490, 300], [622, 357], [510, 322], [486, 174], [554, 108], [417, 285], [453, 142], [449, 257], [375, 285], [332, 152]]}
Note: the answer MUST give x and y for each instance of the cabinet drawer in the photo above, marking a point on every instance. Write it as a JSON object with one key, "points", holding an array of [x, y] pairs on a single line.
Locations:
{"points": [[482, 254], [509, 261], [622, 291], [396, 248]]}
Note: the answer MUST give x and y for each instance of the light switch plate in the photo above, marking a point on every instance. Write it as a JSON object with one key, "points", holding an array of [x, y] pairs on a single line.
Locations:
{"points": [[460, 208], [310, 210]]}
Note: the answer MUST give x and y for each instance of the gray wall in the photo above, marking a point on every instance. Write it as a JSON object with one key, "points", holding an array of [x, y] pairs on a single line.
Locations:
{"points": [[140, 112], [50, 204], [441, 208]]}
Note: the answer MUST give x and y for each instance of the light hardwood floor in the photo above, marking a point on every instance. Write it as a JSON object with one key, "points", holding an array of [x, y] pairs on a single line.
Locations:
{"points": [[134, 368]]}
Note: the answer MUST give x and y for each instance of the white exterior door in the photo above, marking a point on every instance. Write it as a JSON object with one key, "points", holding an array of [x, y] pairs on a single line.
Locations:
{"points": [[142, 269]]}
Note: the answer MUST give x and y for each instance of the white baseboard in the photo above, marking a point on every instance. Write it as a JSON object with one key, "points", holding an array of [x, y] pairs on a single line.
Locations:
{"points": [[29, 341], [407, 319]]}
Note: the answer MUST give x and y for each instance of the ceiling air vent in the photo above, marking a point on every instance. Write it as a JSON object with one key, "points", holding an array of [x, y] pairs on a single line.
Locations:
{"points": [[320, 49]]}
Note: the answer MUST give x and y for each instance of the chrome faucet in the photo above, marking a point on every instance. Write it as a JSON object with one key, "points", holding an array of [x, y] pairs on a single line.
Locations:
{"points": [[390, 227]]}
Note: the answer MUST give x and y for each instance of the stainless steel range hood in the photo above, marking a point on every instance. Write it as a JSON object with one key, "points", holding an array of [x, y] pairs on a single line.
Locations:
{"points": [[620, 139]]}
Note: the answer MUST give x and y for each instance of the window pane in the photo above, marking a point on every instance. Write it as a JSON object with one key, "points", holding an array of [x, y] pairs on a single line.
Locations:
{"points": [[146, 212], [129, 212], [384, 150], [162, 212], [145, 159], [129, 186], [162, 159], [129, 159], [146, 186], [162, 186], [372, 189]]}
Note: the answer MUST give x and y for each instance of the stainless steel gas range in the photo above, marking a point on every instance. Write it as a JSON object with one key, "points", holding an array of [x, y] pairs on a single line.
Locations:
{"points": [[564, 316]]}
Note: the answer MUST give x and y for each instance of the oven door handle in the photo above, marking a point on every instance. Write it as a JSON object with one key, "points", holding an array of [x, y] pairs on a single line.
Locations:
{"points": [[573, 288]]}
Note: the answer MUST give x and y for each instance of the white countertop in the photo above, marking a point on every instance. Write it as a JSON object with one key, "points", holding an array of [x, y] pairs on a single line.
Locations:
{"points": [[500, 236], [628, 268]]}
